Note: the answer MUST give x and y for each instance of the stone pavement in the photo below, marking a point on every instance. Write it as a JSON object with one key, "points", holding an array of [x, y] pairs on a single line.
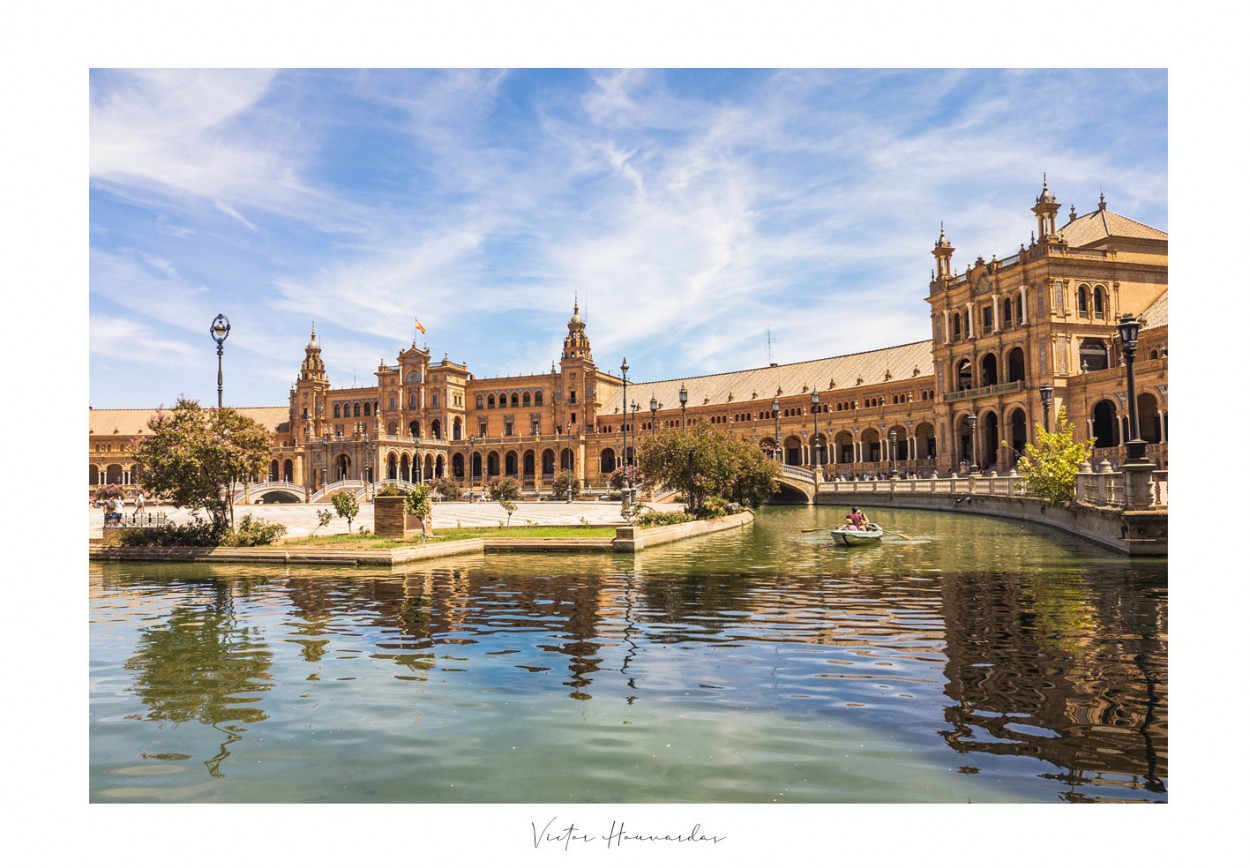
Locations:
{"points": [[301, 518]]}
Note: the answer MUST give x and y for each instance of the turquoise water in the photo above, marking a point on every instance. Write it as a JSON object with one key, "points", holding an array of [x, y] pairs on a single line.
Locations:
{"points": [[981, 660]]}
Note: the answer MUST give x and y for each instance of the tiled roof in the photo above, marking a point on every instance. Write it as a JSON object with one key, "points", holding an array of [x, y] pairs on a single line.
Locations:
{"points": [[1099, 225], [134, 422], [1156, 316], [839, 372]]}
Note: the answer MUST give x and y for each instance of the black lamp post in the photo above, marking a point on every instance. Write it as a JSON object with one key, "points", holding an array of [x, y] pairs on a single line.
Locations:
{"points": [[569, 478], [1128, 327], [682, 396], [894, 455], [472, 440], [624, 426], [972, 424], [1048, 393], [655, 405], [815, 432], [220, 330], [776, 430]]}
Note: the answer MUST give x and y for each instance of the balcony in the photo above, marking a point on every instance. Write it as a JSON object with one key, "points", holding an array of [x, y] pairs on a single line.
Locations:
{"points": [[985, 391]]}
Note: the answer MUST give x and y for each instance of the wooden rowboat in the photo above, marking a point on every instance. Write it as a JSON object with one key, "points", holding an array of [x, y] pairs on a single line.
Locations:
{"points": [[846, 536]]}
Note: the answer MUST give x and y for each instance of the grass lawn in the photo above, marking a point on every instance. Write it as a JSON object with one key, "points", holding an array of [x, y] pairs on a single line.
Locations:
{"points": [[446, 534]]}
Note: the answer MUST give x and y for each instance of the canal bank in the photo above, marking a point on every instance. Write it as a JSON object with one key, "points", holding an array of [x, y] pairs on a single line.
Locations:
{"points": [[1137, 533], [628, 539]]}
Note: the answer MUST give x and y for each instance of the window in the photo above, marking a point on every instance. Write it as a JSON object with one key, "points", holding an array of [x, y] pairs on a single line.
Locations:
{"points": [[516, 399], [538, 399], [479, 402], [412, 401], [987, 319], [507, 428], [337, 410], [525, 399], [367, 408], [1082, 301], [572, 396], [955, 324], [392, 405], [490, 402], [434, 399], [1099, 307]]}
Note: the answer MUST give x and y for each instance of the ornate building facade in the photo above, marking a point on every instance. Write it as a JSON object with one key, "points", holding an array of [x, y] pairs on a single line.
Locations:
{"points": [[967, 399]]}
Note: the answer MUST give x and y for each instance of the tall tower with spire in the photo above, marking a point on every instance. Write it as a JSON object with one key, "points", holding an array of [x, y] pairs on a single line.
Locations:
{"points": [[577, 378], [1046, 209], [942, 250], [308, 395]]}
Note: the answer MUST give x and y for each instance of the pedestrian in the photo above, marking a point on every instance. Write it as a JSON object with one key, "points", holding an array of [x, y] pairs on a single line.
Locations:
{"points": [[138, 504]]}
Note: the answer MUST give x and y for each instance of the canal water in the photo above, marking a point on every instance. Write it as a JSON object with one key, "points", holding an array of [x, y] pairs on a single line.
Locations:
{"points": [[964, 659]]}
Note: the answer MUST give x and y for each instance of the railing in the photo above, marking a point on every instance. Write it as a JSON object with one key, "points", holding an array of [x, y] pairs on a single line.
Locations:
{"points": [[983, 391]]}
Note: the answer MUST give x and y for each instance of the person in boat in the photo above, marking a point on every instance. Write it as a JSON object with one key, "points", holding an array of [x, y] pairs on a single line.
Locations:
{"points": [[857, 519]]}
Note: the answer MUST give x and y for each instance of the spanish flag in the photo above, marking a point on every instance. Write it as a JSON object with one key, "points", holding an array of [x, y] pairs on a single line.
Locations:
{"points": [[420, 327]]}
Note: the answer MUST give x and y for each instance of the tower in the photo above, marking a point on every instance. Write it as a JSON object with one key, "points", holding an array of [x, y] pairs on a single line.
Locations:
{"points": [[1046, 209]]}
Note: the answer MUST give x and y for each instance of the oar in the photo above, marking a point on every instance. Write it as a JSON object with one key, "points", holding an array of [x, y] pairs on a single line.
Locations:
{"points": [[900, 535]]}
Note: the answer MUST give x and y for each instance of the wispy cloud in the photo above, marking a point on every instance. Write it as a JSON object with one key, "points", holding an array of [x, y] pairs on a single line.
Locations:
{"points": [[689, 210]]}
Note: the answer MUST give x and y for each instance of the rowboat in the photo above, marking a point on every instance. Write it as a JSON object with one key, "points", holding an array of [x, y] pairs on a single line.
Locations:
{"points": [[871, 533]]}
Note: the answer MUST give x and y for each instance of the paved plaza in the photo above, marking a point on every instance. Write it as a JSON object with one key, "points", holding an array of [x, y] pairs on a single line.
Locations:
{"points": [[301, 518]]}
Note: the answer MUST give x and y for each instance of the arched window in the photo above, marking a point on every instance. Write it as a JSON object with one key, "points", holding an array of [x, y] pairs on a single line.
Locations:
{"points": [[1082, 300], [955, 327], [368, 408], [1099, 303], [355, 409], [337, 411], [1106, 429], [525, 399], [516, 400], [412, 401], [490, 402], [479, 402], [538, 399], [1006, 323]]}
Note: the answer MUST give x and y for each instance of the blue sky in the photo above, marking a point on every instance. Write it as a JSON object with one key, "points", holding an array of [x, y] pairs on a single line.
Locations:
{"points": [[689, 211]]}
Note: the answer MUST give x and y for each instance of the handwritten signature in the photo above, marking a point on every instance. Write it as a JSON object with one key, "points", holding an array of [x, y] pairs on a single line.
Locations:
{"points": [[565, 836]]}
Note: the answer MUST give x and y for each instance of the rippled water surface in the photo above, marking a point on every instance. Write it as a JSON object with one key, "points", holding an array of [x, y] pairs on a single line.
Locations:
{"points": [[981, 660]]}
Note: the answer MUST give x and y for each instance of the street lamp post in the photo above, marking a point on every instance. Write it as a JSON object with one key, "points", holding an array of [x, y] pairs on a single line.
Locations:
{"points": [[682, 396], [220, 330], [654, 406], [569, 478], [1047, 392], [894, 455], [624, 436], [776, 430], [972, 424], [472, 441], [815, 432], [1128, 328]]}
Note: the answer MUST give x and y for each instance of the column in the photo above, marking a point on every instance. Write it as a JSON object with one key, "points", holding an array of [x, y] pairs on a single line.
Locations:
{"points": [[998, 326], [1024, 305]]}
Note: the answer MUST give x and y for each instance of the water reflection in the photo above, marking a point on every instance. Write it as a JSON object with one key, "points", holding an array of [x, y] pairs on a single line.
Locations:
{"points": [[1050, 678]]}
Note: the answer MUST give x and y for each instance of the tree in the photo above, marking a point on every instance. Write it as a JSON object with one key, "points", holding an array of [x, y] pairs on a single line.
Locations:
{"points": [[507, 491], [346, 505], [1050, 467], [705, 462], [194, 455], [631, 472]]}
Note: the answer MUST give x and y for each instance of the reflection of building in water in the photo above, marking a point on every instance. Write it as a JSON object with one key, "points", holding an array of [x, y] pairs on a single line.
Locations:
{"points": [[1094, 707]]}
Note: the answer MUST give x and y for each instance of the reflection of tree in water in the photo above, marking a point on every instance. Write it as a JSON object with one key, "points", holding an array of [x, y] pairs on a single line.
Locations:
{"points": [[199, 665], [1066, 670]]}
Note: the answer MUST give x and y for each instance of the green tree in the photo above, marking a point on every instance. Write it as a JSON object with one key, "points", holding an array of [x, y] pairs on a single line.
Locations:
{"points": [[1050, 467], [194, 455], [346, 505], [507, 491], [705, 462]]}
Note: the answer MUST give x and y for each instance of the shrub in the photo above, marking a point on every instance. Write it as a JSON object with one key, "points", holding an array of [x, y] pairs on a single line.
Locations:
{"points": [[389, 490], [447, 487], [197, 532], [254, 531], [651, 518], [561, 484], [713, 507]]}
